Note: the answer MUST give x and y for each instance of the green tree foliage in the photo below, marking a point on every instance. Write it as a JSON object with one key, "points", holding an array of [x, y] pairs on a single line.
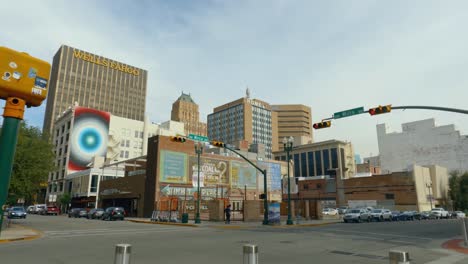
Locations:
{"points": [[458, 190], [34, 159]]}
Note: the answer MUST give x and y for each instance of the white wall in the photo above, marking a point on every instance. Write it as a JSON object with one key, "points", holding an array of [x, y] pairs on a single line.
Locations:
{"points": [[422, 143]]}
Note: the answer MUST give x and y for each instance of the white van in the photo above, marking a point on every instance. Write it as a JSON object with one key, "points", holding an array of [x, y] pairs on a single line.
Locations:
{"points": [[38, 208]]}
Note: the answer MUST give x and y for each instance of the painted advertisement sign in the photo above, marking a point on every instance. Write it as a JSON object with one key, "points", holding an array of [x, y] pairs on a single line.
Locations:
{"points": [[190, 193], [89, 137], [213, 172], [173, 167], [243, 174], [273, 179]]}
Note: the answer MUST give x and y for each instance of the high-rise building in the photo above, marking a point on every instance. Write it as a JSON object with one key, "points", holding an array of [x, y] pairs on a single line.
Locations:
{"points": [[96, 82], [245, 119], [294, 121], [185, 110]]}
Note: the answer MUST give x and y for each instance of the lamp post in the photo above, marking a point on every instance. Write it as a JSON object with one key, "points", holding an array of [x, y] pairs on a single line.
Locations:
{"points": [[429, 186], [199, 151], [288, 144]]}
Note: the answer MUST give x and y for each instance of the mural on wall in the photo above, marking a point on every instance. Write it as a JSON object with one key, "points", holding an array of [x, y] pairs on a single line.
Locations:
{"points": [[89, 137], [273, 179], [243, 174], [173, 167], [213, 172]]}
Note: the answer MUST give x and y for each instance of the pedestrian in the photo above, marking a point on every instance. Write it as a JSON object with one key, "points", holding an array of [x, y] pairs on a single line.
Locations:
{"points": [[227, 212]]}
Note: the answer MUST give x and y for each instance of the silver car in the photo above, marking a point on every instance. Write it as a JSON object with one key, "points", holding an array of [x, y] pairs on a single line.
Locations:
{"points": [[356, 215], [17, 212], [381, 215]]}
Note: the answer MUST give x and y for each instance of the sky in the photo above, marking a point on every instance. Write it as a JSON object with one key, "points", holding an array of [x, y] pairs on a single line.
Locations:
{"points": [[329, 55]]}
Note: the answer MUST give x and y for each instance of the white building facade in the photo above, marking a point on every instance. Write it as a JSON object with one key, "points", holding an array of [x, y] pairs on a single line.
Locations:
{"points": [[422, 143], [123, 140]]}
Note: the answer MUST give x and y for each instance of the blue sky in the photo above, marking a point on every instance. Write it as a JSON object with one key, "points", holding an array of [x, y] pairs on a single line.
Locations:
{"points": [[329, 55]]}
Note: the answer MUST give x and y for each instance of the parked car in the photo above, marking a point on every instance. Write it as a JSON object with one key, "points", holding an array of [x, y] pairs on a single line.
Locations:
{"points": [[425, 215], [459, 214], [51, 210], [30, 209], [17, 212], [342, 210], [38, 208], [329, 211], [95, 213], [396, 215], [113, 213], [356, 215], [439, 213], [381, 215], [77, 212], [406, 216]]}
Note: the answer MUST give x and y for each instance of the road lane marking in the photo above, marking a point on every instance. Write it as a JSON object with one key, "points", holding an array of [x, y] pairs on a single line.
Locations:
{"points": [[377, 234]]}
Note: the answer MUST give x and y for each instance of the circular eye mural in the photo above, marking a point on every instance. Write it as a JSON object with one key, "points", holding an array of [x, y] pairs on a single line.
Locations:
{"points": [[89, 137]]}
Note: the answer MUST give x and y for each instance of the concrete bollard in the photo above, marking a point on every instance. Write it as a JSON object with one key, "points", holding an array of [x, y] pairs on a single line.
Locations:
{"points": [[398, 257], [250, 254], [122, 253], [464, 224]]}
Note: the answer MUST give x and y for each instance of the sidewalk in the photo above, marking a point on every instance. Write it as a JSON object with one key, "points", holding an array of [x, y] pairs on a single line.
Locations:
{"points": [[239, 224], [17, 233]]}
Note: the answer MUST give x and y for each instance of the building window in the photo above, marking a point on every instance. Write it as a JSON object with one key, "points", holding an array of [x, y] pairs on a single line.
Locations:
{"points": [[126, 154], [334, 158], [342, 157], [127, 143], [297, 168], [60, 186], [310, 158], [68, 125], [389, 196], [326, 160], [141, 134], [136, 134], [122, 143], [304, 164], [318, 162], [94, 180]]}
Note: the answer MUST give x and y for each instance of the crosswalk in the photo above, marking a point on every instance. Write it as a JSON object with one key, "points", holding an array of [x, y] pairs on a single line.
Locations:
{"points": [[57, 234]]}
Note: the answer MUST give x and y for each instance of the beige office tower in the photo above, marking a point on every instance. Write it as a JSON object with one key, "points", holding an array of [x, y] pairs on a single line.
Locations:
{"points": [[245, 119], [294, 121], [89, 80], [185, 110]]}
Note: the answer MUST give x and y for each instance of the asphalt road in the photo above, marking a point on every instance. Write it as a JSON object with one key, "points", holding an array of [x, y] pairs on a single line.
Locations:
{"points": [[92, 241]]}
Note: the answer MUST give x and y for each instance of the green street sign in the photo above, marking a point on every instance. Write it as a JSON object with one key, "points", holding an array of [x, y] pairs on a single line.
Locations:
{"points": [[350, 112], [198, 138]]}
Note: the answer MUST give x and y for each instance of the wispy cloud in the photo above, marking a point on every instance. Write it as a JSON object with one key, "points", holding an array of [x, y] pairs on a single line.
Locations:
{"points": [[332, 55]]}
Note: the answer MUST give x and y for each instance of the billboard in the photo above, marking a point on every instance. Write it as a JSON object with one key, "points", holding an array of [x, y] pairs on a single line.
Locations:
{"points": [[213, 172], [89, 137], [243, 174], [173, 167], [273, 179]]}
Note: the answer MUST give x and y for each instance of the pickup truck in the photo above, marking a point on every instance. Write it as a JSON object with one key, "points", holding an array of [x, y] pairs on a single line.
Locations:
{"points": [[439, 213], [52, 210]]}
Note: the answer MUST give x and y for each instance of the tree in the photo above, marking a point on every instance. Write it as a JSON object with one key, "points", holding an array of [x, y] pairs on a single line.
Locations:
{"points": [[458, 190], [64, 201], [34, 159]]}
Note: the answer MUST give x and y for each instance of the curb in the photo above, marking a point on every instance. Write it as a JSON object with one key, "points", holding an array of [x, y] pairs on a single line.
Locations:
{"points": [[455, 245], [163, 223], [26, 238]]}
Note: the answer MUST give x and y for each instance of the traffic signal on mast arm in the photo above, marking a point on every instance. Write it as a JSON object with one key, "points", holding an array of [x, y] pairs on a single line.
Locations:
{"points": [[218, 144], [323, 124], [178, 139], [380, 110]]}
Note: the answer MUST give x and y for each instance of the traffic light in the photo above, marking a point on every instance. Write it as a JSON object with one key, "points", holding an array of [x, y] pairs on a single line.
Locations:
{"points": [[380, 110], [218, 144], [178, 139], [323, 124]]}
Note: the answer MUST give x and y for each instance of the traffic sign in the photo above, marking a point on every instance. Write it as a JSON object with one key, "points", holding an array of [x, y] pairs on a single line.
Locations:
{"points": [[198, 138], [350, 112]]}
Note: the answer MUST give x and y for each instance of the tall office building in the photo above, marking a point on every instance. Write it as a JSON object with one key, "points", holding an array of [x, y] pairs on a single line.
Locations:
{"points": [[294, 121], [245, 119], [185, 110], [96, 82]]}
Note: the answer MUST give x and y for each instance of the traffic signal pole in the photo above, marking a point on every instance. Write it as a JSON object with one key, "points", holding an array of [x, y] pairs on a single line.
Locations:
{"points": [[13, 114], [264, 172]]}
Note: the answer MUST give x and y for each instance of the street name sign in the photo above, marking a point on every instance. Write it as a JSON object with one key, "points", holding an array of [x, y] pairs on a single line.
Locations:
{"points": [[198, 138], [350, 112]]}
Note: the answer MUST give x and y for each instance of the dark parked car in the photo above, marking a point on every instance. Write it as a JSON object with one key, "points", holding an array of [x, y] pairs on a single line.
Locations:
{"points": [[426, 215], [95, 213], [17, 212], [77, 212], [407, 216], [113, 213], [396, 215]]}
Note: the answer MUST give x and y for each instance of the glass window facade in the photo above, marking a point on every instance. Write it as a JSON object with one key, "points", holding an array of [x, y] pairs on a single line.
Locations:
{"points": [[94, 180], [326, 161], [334, 158], [318, 162], [310, 159], [297, 168], [304, 164]]}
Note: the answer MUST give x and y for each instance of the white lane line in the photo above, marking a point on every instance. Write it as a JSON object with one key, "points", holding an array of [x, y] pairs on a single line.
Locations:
{"points": [[103, 230], [116, 233], [377, 234]]}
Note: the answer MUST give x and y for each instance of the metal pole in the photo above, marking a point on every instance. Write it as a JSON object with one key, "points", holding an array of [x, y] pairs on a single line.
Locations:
{"points": [[289, 221], [265, 202], [13, 115], [243, 205], [198, 150], [398, 257], [122, 253], [250, 254], [464, 222]]}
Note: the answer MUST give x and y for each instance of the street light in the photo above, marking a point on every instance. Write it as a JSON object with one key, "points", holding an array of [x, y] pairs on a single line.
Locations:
{"points": [[288, 144], [199, 151], [429, 186]]}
